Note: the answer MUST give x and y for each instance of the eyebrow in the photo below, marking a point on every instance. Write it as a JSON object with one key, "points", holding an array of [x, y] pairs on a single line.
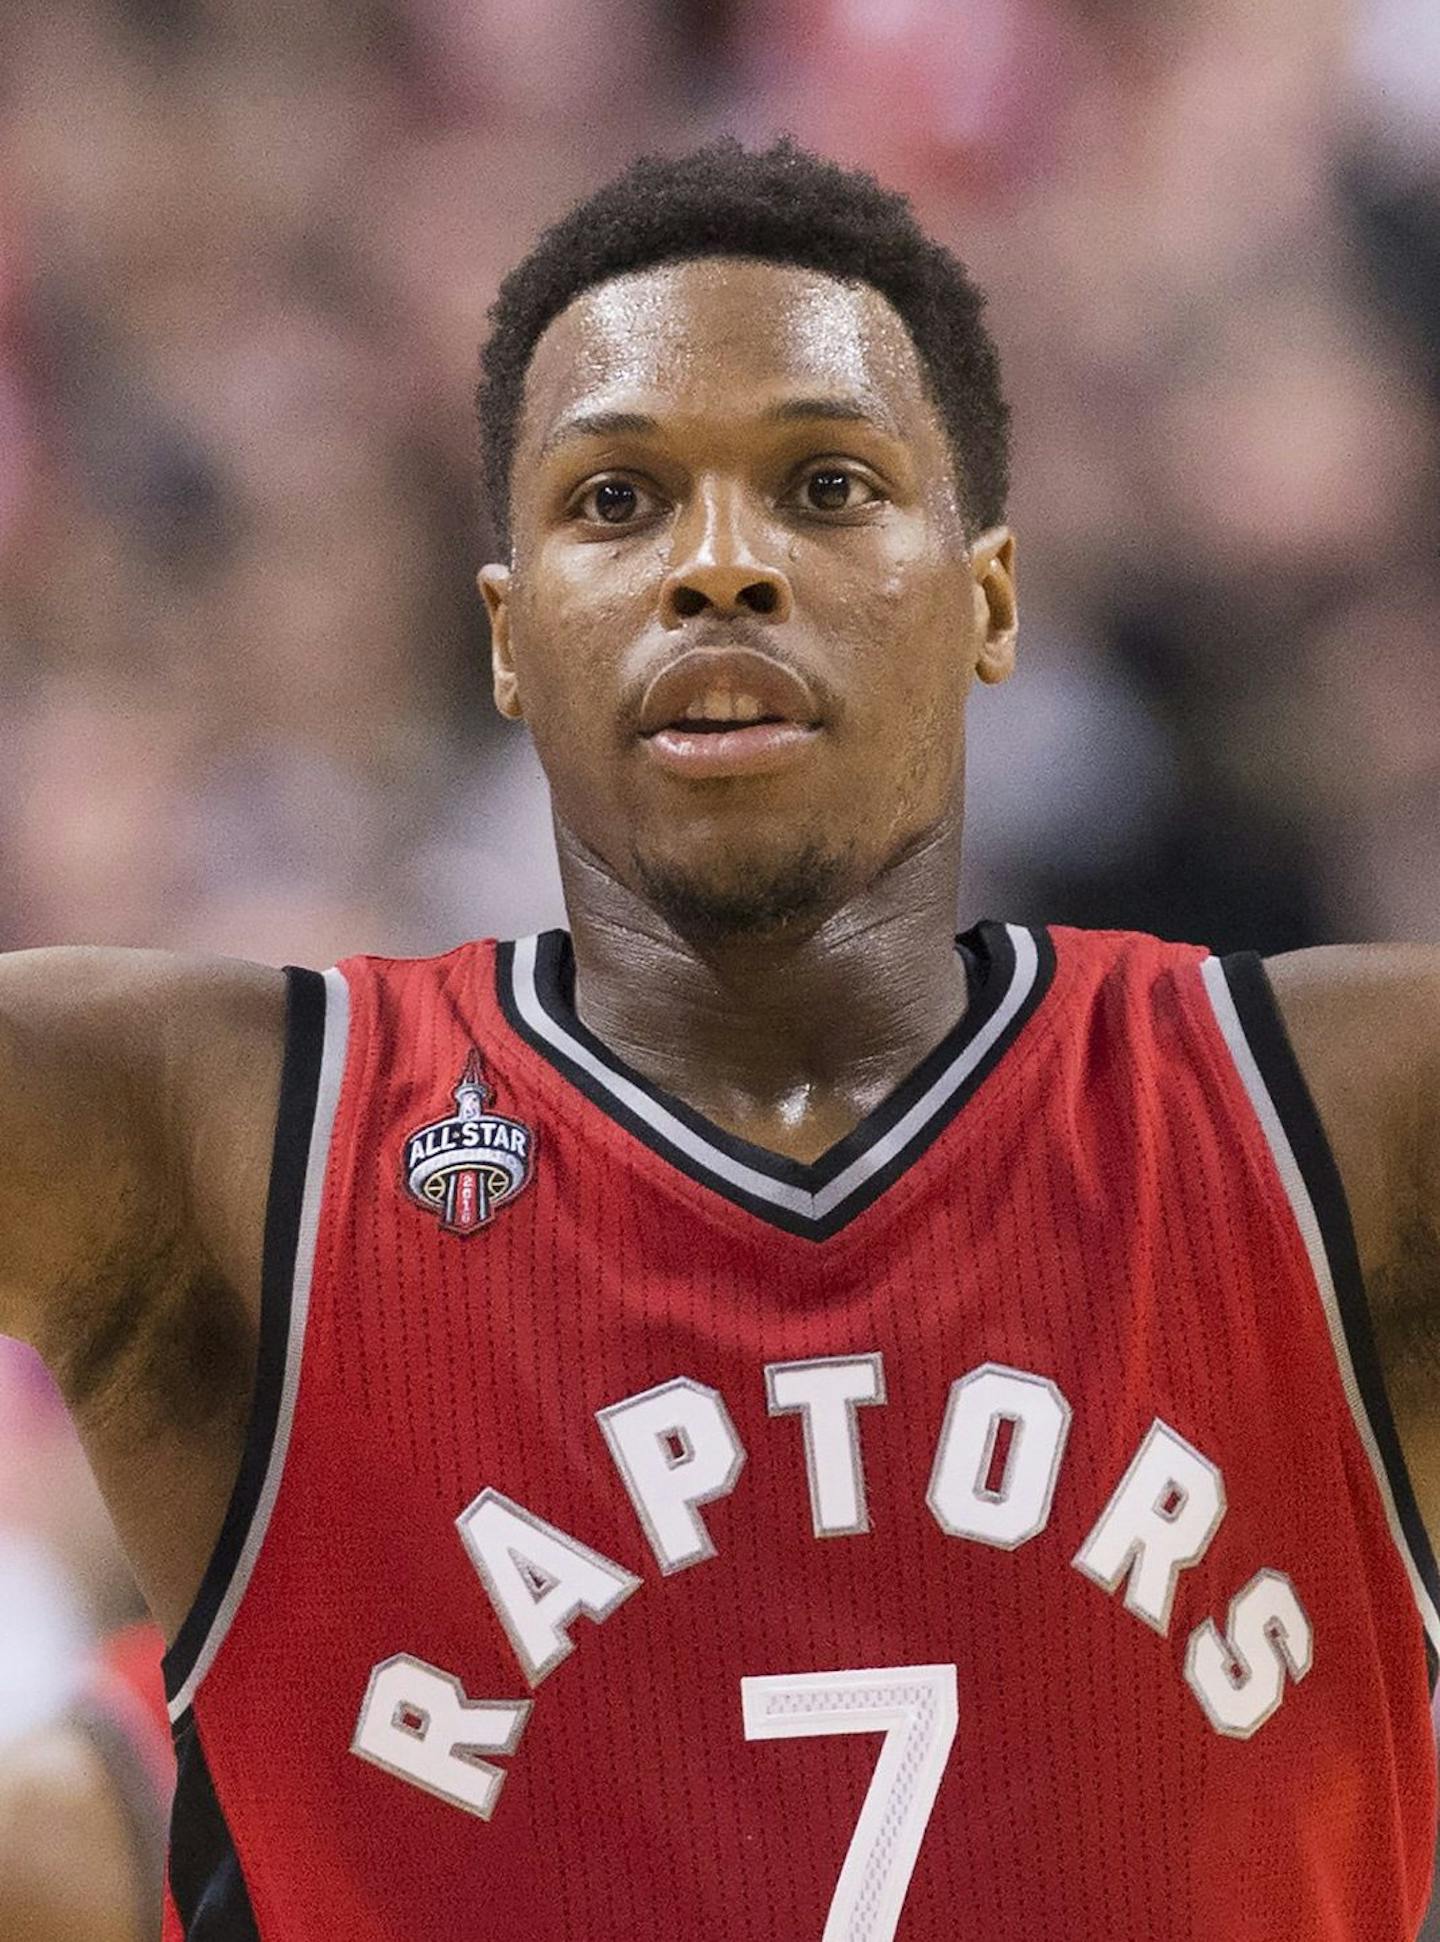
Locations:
{"points": [[596, 424], [847, 411], [616, 424]]}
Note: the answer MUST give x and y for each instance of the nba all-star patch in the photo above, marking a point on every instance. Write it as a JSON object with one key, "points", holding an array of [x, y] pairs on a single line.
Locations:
{"points": [[464, 1168]]}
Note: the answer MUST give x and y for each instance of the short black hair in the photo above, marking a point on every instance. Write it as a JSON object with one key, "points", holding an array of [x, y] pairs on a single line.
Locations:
{"points": [[781, 204]]}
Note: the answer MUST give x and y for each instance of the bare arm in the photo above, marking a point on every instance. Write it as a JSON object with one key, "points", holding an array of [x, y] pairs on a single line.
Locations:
{"points": [[88, 1177], [1365, 1024], [104, 1059], [137, 1100]]}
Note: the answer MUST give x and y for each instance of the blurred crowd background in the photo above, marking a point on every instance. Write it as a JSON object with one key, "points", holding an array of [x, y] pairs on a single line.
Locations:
{"points": [[246, 250]]}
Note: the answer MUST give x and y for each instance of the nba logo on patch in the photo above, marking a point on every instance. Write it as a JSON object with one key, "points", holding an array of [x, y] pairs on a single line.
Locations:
{"points": [[464, 1168]]}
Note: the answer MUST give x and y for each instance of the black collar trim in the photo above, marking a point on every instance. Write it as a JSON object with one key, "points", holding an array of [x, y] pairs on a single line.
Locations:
{"points": [[1009, 969]]}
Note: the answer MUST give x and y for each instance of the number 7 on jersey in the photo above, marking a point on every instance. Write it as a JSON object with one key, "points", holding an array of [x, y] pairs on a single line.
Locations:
{"points": [[915, 1708]]}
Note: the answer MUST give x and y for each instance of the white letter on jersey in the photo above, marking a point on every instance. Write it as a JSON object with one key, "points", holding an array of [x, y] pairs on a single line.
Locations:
{"points": [[417, 1723], [538, 1578], [960, 1497], [1164, 1512], [1267, 1635], [675, 1447], [826, 1392]]}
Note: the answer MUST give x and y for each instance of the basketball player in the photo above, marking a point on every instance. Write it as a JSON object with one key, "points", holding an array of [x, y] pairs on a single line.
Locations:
{"points": [[752, 1418], [84, 1803]]}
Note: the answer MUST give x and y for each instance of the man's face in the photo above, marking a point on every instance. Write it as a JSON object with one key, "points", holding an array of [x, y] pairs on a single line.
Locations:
{"points": [[742, 617]]}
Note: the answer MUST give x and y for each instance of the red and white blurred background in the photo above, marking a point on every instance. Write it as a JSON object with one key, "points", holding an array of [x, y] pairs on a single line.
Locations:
{"points": [[246, 249]]}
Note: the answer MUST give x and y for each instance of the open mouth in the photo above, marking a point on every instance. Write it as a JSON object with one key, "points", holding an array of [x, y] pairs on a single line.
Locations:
{"points": [[706, 747], [718, 713], [727, 712]]}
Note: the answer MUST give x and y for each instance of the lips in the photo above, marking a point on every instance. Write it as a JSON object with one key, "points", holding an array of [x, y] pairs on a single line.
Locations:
{"points": [[707, 753], [727, 711], [680, 690]]}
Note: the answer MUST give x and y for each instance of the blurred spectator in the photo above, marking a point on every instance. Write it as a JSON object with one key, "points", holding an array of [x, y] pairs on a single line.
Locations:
{"points": [[41, 1635]]}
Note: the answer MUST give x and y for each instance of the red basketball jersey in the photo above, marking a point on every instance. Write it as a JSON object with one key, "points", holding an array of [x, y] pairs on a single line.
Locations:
{"points": [[994, 1530]]}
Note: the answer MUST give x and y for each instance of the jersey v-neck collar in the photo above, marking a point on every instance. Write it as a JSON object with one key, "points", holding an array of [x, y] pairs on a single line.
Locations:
{"points": [[1008, 969]]}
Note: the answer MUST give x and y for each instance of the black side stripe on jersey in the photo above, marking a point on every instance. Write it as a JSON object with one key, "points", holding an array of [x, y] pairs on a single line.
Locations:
{"points": [[206, 1881], [315, 1033], [1255, 1031], [1009, 969]]}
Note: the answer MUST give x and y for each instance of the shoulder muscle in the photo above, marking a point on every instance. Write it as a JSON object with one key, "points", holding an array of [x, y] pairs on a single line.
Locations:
{"points": [[1365, 1024], [106, 1060]]}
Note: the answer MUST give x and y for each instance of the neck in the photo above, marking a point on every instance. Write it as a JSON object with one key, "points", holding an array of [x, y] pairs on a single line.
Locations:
{"points": [[787, 1041]]}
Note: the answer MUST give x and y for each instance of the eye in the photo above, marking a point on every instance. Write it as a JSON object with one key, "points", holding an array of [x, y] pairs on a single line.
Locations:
{"points": [[612, 502], [832, 487]]}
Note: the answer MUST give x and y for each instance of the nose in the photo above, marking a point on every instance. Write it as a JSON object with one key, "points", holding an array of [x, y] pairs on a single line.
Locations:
{"points": [[716, 569]]}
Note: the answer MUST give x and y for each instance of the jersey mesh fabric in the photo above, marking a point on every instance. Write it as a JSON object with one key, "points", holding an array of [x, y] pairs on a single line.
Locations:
{"points": [[1103, 1213]]}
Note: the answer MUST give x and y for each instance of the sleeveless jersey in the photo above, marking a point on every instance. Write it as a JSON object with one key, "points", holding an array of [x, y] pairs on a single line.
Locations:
{"points": [[996, 1529]]}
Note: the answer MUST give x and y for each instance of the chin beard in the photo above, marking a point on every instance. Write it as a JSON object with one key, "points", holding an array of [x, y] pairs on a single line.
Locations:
{"points": [[752, 902]]}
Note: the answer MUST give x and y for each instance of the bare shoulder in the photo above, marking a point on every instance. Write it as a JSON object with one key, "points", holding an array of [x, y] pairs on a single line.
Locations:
{"points": [[65, 1865], [142, 1004], [1365, 1024], [138, 1100], [1364, 1020], [1374, 1005], [109, 1105], [105, 1060]]}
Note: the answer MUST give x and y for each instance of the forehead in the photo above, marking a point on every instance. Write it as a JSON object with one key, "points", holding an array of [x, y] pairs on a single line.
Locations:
{"points": [[708, 334]]}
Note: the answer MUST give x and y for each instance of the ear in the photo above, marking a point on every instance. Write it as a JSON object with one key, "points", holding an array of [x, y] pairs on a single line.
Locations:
{"points": [[494, 584], [992, 561]]}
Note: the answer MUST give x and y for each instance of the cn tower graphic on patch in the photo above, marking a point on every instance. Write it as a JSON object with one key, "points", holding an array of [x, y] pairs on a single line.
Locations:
{"points": [[463, 1168]]}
